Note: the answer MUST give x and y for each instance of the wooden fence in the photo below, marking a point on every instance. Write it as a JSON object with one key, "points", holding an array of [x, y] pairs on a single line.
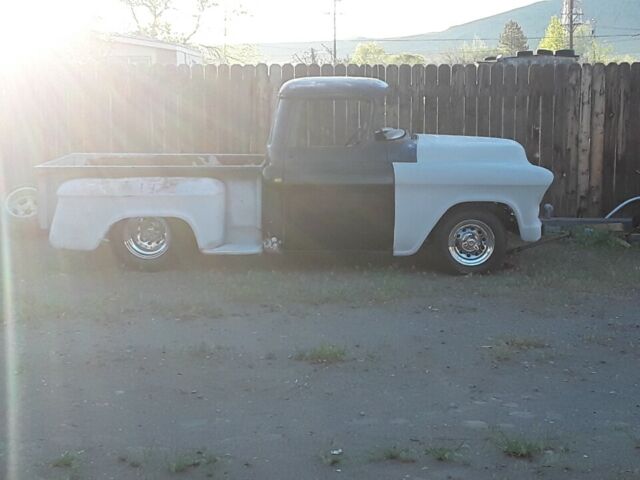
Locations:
{"points": [[580, 121]]}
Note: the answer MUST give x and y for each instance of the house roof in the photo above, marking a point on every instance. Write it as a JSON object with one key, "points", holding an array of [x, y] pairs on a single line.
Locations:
{"points": [[150, 42]]}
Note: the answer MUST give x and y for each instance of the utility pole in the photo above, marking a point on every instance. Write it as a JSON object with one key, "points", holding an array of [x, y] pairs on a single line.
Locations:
{"points": [[335, 31], [572, 18], [571, 21]]}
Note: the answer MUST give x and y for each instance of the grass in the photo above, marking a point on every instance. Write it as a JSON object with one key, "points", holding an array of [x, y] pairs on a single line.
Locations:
{"points": [[66, 460], [444, 454], [129, 460], [206, 350], [55, 286], [185, 461], [520, 447], [596, 237], [331, 459], [323, 354], [506, 348], [393, 454]]}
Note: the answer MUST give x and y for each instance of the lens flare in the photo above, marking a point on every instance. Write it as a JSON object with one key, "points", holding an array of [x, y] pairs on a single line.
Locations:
{"points": [[9, 348]]}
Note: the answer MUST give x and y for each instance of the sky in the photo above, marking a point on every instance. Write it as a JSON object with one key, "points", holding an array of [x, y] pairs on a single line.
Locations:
{"points": [[29, 21]]}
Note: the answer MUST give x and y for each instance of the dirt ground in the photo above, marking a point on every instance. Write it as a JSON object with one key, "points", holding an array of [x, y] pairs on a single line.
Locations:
{"points": [[321, 368]]}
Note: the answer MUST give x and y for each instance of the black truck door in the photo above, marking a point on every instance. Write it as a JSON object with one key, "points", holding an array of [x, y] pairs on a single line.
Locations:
{"points": [[338, 192]]}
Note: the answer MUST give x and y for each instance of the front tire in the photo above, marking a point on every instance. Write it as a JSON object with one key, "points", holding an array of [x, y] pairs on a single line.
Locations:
{"points": [[470, 241], [144, 243]]}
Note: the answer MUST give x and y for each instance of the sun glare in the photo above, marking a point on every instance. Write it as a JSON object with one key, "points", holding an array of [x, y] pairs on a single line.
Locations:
{"points": [[36, 28]]}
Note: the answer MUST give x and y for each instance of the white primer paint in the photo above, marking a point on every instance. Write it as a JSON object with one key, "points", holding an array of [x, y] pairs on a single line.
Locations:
{"points": [[451, 170], [87, 208]]}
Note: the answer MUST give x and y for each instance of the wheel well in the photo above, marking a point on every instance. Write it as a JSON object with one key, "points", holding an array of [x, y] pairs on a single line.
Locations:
{"points": [[180, 228], [502, 210]]}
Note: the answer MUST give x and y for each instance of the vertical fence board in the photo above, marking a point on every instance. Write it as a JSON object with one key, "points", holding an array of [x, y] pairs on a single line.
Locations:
{"points": [[509, 102], [558, 159], [444, 99], [184, 116], [611, 119], [196, 107], [633, 138], [546, 117], [457, 100], [470, 100], [596, 156], [532, 139], [484, 107], [417, 99], [431, 99], [222, 99], [393, 115], [404, 97], [212, 123], [623, 175], [496, 79], [262, 99], [570, 195], [522, 104], [584, 140]]}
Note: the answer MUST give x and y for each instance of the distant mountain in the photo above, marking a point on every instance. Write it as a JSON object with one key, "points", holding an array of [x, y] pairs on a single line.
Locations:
{"points": [[615, 20]]}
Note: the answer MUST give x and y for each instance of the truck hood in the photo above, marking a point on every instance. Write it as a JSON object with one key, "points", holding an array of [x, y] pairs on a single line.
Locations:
{"points": [[453, 148]]}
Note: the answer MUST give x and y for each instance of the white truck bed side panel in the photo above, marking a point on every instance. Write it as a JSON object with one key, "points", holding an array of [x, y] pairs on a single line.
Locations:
{"points": [[88, 207]]}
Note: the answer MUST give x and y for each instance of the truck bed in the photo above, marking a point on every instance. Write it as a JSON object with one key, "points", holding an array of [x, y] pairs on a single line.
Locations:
{"points": [[226, 167], [159, 160]]}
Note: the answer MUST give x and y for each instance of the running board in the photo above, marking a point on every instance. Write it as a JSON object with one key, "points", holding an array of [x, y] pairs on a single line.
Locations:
{"points": [[239, 241]]}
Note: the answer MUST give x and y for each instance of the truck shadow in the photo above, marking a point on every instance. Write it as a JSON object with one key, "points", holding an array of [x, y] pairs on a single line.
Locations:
{"points": [[30, 252]]}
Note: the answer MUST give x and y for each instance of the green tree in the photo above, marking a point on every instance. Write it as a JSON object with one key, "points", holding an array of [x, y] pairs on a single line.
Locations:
{"points": [[590, 49], [407, 59], [512, 39], [152, 18], [369, 53], [245, 54], [555, 36], [372, 53], [469, 52]]}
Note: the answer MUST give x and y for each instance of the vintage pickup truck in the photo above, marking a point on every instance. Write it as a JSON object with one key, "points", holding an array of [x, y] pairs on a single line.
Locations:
{"points": [[380, 190]]}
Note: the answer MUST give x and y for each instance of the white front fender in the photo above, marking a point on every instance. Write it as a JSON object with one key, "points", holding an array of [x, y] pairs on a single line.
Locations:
{"points": [[425, 192], [87, 208]]}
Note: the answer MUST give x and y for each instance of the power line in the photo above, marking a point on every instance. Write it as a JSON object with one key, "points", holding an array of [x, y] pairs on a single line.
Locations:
{"points": [[461, 39], [621, 37]]}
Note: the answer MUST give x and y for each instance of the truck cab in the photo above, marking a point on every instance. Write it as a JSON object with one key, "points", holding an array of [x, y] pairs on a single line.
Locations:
{"points": [[329, 182]]}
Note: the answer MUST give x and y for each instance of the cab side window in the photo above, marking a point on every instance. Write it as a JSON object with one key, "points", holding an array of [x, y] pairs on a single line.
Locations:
{"points": [[327, 122]]}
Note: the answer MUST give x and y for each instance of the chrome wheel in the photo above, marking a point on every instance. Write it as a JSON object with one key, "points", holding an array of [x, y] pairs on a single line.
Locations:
{"points": [[146, 238], [471, 243], [21, 203]]}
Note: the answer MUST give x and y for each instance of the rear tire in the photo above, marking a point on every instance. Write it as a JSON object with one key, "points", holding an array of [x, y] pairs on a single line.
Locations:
{"points": [[470, 240], [145, 243]]}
